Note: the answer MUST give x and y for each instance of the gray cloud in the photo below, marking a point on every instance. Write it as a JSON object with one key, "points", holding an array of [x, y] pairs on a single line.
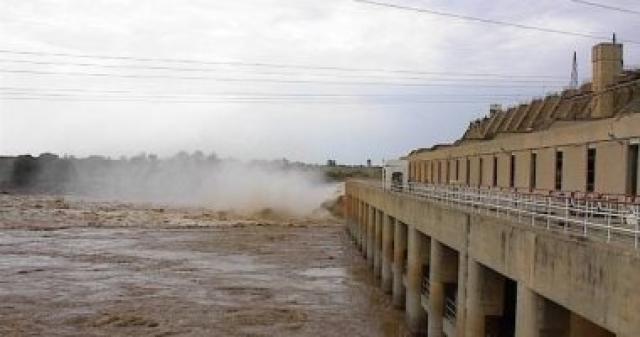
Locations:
{"points": [[330, 32]]}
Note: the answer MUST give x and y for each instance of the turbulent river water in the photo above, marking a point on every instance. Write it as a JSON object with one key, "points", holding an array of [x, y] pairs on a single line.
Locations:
{"points": [[115, 269]]}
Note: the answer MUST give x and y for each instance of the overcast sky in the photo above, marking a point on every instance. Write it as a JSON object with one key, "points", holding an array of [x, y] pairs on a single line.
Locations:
{"points": [[86, 105]]}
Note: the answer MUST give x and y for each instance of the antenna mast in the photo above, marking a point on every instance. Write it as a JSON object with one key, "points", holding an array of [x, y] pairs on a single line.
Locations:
{"points": [[574, 72]]}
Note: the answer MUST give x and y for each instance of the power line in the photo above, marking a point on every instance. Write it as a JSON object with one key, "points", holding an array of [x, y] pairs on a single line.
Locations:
{"points": [[488, 21], [111, 66], [70, 98], [609, 7], [266, 65], [244, 95], [263, 80]]}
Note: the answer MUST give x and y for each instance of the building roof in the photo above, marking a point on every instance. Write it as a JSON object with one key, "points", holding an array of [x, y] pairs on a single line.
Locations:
{"points": [[541, 113]]}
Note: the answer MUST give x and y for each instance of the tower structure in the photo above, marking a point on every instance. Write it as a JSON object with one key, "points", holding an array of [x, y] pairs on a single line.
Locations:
{"points": [[607, 66], [574, 72]]}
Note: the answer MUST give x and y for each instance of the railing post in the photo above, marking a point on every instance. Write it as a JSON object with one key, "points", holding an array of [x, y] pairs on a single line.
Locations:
{"points": [[586, 218], [609, 226], [533, 211], [548, 212], [636, 233], [518, 209], [566, 214]]}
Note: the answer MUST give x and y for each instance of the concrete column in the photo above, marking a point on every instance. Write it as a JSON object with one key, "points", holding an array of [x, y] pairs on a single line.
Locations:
{"points": [[347, 216], [417, 253], [461, 314], [399, 249], [436, 289], [351, 217], [358, 223], [527, 309], [363, 226], [371, 219], [474, 325], [354, 222], [387, 254], [377, 245]]}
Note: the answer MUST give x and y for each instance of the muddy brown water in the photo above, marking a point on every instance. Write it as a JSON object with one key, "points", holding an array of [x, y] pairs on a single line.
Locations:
{"points": [[253, 279]]}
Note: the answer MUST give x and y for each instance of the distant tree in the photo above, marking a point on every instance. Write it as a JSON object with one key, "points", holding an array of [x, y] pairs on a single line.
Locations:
{"points": [[25, 171], [197, 156], [181, 156], [139, 158], [212, 157]]}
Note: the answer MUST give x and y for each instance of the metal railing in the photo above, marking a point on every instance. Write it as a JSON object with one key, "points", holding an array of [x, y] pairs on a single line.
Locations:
{"points": [[601, 219]]}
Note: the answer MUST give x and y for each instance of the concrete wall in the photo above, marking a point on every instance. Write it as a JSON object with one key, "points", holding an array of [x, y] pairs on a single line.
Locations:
{"points": [[610, 168], [574, 173], [523, 168], [503, 169], [596, 281]]}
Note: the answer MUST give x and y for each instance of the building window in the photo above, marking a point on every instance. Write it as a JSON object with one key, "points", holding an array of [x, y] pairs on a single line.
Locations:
{"points": [[559, 164], [591, 169], [439, 172], [632, 185], [432, 173], [495, 172], [447, 166], [468, 173], [480, 172], [512, 171], [411, 174], [424, 171], [533, 175], [457, 170]]}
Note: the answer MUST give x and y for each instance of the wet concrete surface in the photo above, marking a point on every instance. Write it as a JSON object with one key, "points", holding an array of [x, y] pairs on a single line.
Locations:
{"points": [[90, 276]]}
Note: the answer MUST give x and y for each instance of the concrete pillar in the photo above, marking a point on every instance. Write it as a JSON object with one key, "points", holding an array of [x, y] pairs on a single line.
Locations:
{"points": [[363, 228], [359, 224], [377, 246], [417, 252], [474, 325], [371, 219], [356, 223], [387, 254], [436, 289], [399, 249], [461, 314], [360, 243], [527, 309], [354, 219], [347, 216]]}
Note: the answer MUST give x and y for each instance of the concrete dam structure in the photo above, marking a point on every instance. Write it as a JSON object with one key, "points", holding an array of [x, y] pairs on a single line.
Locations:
{"points": [[527, 226]]}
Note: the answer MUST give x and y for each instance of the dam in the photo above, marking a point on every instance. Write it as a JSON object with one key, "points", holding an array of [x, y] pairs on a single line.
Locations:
{"points": [[526, 226]]}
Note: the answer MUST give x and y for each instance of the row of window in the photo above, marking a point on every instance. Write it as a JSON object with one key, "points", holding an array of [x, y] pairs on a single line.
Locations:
{"points": [[449, 171]]}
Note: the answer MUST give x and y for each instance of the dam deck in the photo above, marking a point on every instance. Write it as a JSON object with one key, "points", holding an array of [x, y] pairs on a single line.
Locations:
{"points": [[478, 262]]}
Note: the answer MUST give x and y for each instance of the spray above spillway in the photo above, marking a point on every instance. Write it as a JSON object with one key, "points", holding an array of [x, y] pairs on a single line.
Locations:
{"points": [[185, 179]]}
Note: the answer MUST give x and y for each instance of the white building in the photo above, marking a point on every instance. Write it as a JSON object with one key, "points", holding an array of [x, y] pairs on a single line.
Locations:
{"points": [[395, 173]]}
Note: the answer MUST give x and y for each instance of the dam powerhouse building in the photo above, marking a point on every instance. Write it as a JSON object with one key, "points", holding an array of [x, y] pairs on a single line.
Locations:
{"points": [[526, 226]]}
